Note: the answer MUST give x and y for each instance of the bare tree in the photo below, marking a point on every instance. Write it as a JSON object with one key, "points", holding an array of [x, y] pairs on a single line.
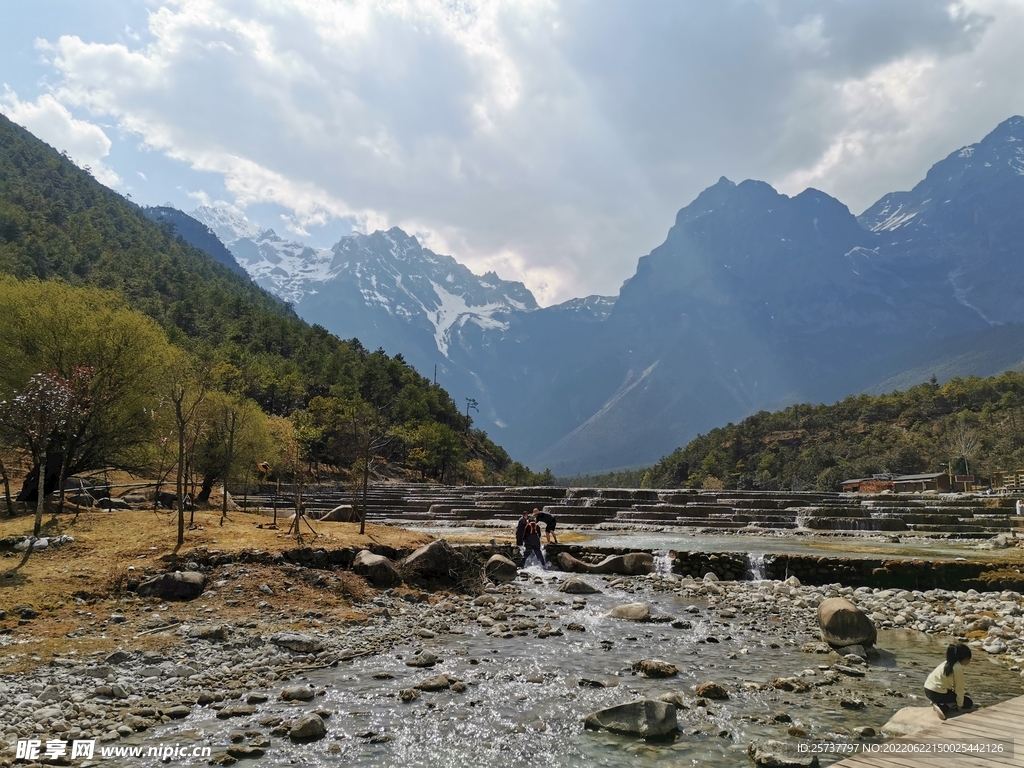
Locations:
{"points": [[7, 488], [187, 388], [963, 442], [370, 435]]}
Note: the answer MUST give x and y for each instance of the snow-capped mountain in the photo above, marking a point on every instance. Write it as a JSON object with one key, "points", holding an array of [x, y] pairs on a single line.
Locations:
{"points": [[227, 222], [393, 275]]}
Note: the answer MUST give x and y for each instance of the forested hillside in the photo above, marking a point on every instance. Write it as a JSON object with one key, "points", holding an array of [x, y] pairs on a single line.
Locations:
{"points": [[973, 425], [63, 235]]}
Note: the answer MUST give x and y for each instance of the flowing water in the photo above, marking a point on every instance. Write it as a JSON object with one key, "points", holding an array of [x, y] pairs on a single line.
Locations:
{"points": [[525, 702], [783, 543], [756, 566]]}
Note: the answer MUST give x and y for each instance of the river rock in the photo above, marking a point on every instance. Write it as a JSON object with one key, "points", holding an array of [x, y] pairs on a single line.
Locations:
{"points": [[425, 659], [297, 693], [910, 720], [995, 645], [246, 751], [655, 668], [308, 728], [435, 683], [436, 560], [843, 624], [297, 641], [648, 718], [577, 587], [633, 564], [499, 568], [377, 569], [216, 632], [180, 585], [776, 754], [714, 691], [631, 612], [857, 650]]}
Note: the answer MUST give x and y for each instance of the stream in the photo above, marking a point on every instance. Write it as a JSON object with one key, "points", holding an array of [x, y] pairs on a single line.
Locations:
{"points": [[524, 701]]}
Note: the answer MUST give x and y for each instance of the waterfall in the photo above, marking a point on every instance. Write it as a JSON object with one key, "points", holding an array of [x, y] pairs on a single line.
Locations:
{"points": [[663, 562], [756, 567]]}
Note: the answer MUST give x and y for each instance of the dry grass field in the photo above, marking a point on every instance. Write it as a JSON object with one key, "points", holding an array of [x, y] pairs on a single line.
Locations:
{"points": [[76, 588]]}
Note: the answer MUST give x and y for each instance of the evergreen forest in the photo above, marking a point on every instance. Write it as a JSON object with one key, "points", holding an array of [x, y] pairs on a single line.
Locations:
{"points": [[965, 426]]}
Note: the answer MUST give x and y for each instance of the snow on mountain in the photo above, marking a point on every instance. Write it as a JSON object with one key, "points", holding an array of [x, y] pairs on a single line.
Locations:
{"points": [[287, 268], [226, 221], [961, 173], [390, 270], [395, 273], [592, 308]]}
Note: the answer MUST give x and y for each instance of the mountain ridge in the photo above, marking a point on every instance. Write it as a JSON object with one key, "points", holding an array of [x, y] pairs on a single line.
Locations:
{"points": [[754, 297]]}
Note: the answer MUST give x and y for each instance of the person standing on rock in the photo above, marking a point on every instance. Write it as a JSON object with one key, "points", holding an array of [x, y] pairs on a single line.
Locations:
{"points": [[945, 685], [521, 528], [549, 524], [531, 538]]}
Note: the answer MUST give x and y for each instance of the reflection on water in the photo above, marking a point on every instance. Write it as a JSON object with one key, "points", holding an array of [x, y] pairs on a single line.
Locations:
{"points": [[524, 702]]}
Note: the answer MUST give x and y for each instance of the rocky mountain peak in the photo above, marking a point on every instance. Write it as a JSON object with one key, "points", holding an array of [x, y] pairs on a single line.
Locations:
{"points": [[995, 161]]}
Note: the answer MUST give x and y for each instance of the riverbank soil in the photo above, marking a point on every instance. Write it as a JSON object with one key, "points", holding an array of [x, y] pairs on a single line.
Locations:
{"points": [[72, 598]]}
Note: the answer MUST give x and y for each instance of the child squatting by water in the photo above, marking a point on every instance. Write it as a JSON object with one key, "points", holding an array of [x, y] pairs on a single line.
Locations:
{"points": [[945, 685]]}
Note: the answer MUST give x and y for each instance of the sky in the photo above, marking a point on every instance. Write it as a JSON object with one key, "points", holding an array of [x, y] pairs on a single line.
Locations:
{"points": [[552, 141]]}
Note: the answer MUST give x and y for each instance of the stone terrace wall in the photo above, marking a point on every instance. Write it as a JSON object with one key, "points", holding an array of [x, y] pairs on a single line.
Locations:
{"points": [[849, 571]]}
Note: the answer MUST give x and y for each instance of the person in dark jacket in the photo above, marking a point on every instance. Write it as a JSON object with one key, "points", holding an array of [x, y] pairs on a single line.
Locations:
{"points": [[531, 538], [521, 528], [549, 524]]}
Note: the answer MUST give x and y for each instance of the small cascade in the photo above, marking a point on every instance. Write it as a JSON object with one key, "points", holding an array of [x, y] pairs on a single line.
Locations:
{"points": [[663, 562], [756, 566]]}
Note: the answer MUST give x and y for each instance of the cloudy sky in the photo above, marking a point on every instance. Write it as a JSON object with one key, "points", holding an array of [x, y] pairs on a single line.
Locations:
{"points": [[550, 140]]}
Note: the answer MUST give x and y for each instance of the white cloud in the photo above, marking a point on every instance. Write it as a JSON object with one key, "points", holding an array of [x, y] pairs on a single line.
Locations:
{"points": [[889, 126], [551, 141], [85, 143]]}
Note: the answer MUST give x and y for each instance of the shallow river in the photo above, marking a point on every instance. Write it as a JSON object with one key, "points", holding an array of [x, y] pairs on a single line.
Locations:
{"points": [[524, 703]]}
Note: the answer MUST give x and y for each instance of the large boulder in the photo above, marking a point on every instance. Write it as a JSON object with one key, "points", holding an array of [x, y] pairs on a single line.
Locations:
{"points": [[633, 564], [843, 623], [631, 612], [648, 718], [343, 513], [499, 568], [377, 569], [909, 721], [180, 585], [436, 561]]}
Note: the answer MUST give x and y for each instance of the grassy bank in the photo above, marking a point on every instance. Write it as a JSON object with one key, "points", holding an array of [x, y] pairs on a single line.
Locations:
{"points": [[76, 588]]}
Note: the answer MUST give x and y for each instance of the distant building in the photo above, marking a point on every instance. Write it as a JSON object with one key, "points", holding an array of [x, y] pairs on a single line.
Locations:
{"points": [[932, 481], [873, 484], [1010, 479]]}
